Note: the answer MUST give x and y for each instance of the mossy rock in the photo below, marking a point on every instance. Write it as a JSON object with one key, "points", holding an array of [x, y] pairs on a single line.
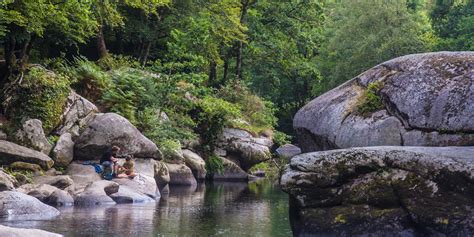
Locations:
{"points": [[41, 94]]}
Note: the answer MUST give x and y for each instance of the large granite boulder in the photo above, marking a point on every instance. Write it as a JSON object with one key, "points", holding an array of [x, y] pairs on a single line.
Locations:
{"points": [[127, 194], [287, 151], [31, 135], [426, 100], [11, 152], [82, 175], [47, 194], [386, 190], [142, 184], [180, 174], [195, 163], [105, 130], [7, 231], [97, 193], [63, 152], [63, 182], [77, 113], [19, 206], [247, 149], [232, 172]]}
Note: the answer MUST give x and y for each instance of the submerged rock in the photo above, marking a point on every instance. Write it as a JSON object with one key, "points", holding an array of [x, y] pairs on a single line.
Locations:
{"points": [[109, 129], [97, 193], [7, 231], [427, 100], [382, 190], [48, 194], [19, 206], [11, 152]]}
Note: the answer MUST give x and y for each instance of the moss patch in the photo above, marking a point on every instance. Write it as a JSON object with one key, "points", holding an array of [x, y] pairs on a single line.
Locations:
{"points": [[370, 101]]}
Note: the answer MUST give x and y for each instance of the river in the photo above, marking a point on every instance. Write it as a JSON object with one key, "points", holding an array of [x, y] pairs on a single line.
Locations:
{"points": [[213, 209]]}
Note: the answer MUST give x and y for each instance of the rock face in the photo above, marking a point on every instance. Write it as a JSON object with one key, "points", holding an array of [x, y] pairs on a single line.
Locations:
{"points": [[128, 195], [162, 175], [63, 152], [109, 129], [141, 184], [32, 135], [63, 182], [77, 113], [383, 190], [181, 175], [428, 100], [246, 149], [82, 175], [48, 194], [19, 206], [195, 163], [11, 152], [7, 231]]}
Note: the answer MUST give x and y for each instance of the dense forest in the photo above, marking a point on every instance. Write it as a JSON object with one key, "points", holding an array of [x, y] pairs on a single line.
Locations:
{"points": [[202, 65]]}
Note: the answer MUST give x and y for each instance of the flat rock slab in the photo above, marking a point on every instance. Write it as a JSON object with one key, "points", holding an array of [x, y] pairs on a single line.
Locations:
{"points": [[97, 193], [385, 185], [126, 194], [19, 206], [11, 152]]}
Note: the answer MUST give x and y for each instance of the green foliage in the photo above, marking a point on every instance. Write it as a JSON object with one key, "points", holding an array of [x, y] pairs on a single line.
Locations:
{"points": [[370, 102], [280, 139], [17, 173], [42, 95], [89, 79], [214, 165], [114, 62], [214, 115], [362, 34]]}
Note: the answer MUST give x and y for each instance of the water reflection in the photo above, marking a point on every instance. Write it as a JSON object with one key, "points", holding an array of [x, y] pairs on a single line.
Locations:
{"points": [[213, 209]]}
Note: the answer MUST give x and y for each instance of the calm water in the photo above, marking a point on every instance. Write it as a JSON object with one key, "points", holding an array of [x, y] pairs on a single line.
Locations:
{"points": [[219, 209]]}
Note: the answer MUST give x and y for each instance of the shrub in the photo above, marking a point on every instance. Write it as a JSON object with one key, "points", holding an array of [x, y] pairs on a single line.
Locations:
{"points": [[214, 165], [370, 101], [280, 139], [89, 79], [113, 62], [41, 95]]}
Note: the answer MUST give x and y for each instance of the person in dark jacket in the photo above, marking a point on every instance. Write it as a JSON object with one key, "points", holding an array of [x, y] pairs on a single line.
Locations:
{"points": [[109, 161]]}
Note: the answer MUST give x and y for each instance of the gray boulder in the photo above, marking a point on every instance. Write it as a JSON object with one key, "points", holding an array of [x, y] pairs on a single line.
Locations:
{"points": [[7, 182], [428, 100], [232, 172], [19, 206], [248, 149], [47, 194], [141, 183], [7, 231], [287, 151], [82, 175], [195, 163], [60, 198], [109, 129], [127, 194], [63, 152], [31, 135], [63, 182], [161, 174], [77, 113], [382, 190], [11, 152], [180, 174], [97, 193]]}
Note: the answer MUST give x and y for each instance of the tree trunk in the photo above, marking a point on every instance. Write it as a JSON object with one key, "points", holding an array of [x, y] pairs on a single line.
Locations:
{"points": [[101, 47], [212, 73], [10, 58], [147, 52], [238, 68], [226, 70], [25, 52]]}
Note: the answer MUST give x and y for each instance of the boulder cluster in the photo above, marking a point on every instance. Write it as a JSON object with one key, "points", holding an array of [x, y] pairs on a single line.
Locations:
{"points": [[390, 152]]}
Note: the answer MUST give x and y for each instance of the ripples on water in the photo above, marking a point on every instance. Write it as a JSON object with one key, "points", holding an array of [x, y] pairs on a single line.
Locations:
{"points": [[218, 209]]}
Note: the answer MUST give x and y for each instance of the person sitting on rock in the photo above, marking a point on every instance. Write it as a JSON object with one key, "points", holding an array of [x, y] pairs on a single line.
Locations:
{"points": [[109, 162], [129, 167]]}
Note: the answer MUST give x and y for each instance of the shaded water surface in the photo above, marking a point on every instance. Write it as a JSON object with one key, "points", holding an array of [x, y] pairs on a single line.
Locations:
{"points": [[218, 209]]}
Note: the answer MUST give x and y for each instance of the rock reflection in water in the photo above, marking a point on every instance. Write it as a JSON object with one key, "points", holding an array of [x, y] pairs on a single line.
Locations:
{"points": [[213, 209]]}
